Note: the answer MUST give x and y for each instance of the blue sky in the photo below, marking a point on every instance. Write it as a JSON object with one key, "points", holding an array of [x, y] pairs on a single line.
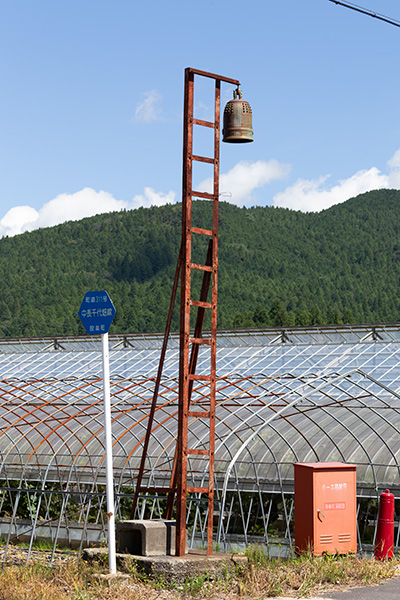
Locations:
{"points": [[92, 97]]}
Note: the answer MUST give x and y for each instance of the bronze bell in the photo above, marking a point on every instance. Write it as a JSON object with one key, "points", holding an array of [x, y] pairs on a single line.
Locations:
{"points": [[238, 120]]}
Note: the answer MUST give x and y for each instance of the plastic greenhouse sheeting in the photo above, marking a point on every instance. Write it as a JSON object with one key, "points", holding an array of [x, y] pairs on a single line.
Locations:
{"points": [[283, 396]]}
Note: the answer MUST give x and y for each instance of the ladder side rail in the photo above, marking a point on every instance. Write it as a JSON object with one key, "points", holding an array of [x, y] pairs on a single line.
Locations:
{"points": [[184, 316], [214, 302]]}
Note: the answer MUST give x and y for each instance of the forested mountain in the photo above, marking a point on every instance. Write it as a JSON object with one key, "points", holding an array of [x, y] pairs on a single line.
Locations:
{"points": [[276, 267]]}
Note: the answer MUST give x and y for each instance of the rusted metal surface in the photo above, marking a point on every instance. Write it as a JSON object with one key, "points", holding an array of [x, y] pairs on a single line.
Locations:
{"points": [[190, 343], [196, 341], [218, 78], [187, 367]]}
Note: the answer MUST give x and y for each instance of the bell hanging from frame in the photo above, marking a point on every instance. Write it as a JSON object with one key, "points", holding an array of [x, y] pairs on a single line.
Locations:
{"points": [[238, 120]]}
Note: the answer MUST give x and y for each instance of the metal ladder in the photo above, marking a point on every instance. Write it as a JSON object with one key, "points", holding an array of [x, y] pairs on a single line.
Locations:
{"points": [[190, 343]]}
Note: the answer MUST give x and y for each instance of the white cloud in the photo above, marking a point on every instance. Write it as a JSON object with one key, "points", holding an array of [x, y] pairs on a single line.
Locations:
{"points": [[245, 177], [149, 110], [394, 162], [152, 198], [73, 207], [67, 207], [238, 183], [394, 173], [314, 195], [17, 217]]}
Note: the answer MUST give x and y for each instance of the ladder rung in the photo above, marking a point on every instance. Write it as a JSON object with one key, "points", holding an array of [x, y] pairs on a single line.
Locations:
{"points": [[199, 414], [204, 195], [205, 341], [197, 490], [200, 304], [201, 231], [204, 159], [201, 267], [203, 123], [199, 377], [198, 452]]}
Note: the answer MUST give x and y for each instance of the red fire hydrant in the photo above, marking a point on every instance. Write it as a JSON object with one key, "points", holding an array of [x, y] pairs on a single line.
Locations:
{"points": [[384, 540]]}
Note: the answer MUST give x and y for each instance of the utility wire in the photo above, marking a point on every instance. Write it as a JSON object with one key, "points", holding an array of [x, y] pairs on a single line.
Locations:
{"points": [[366, 11]]}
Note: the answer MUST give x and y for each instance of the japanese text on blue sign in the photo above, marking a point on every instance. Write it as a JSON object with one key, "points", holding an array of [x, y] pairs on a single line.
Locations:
{"points": [[96, 312]]}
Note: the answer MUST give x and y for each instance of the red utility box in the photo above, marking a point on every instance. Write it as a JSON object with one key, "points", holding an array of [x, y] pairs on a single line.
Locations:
{"points": [[325, 507]]}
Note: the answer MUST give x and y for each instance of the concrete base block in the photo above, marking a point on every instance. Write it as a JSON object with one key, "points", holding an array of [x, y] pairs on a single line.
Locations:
{"points": [[146, 537], [172, 569]]}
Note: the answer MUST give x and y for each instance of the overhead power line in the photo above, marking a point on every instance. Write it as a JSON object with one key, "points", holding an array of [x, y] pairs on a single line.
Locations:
{"points": [[366, 11]]}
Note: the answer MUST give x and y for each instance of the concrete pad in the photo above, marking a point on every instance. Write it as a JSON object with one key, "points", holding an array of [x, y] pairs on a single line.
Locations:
{"points": [[172, 568]]}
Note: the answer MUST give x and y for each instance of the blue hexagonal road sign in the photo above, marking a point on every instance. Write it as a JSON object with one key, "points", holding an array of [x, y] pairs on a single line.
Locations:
{"points": [[96, 312]]}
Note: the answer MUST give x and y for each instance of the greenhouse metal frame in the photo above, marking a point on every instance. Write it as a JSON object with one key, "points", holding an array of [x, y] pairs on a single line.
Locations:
{"points": [[283, 396]]}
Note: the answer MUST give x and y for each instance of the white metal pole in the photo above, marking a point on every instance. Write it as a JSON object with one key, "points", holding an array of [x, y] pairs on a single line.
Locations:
{"points": [[109, 460]]}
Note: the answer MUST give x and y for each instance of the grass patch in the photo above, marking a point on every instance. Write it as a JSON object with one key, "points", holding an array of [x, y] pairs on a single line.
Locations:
{"points": [[299, 576]]}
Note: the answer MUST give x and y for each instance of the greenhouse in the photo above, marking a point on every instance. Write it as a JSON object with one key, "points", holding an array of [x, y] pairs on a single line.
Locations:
{"points": [[283, 396]]}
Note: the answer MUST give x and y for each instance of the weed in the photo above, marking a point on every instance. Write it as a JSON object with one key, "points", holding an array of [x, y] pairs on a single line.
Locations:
{"points": [[256, 556], [195, 583], [43, 545]]}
